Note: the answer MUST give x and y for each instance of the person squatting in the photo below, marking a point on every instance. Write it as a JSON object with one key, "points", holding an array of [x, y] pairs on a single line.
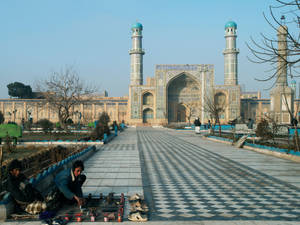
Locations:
{"points": [[68, 189]]}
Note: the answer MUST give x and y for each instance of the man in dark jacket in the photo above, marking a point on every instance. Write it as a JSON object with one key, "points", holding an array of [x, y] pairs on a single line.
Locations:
{"points": [[69, 182], [22, 191], [197, 124]]}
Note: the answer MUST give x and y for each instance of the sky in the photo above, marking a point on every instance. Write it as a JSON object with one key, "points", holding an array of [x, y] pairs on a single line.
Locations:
{"points": [[94, 37]]}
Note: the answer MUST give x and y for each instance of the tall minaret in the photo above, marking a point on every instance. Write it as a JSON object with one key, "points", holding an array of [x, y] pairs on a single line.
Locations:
{"points": [[230, 55], [136, 54], [281, 78], [282, 96]]}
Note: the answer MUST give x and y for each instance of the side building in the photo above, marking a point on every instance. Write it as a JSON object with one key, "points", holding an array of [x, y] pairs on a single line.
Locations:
{"points": [[16, 110]]}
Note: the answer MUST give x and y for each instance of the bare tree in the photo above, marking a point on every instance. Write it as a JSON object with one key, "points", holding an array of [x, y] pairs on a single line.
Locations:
{"points": [[62, 91], [214, 107], [192, 108], [267, 50]]}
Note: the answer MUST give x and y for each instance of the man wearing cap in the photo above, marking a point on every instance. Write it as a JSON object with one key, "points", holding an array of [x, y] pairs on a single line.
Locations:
{"points": [[69, 183], [25, 195]]}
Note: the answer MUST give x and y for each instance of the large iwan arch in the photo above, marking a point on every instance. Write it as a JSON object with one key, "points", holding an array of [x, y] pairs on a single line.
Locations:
{"points": [[183, 92]]}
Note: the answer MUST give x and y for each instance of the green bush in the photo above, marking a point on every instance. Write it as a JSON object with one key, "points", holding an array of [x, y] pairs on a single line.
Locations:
{"points": [[1, 117], [70, 121], [263, 130], [46, 125], [101, 127]]}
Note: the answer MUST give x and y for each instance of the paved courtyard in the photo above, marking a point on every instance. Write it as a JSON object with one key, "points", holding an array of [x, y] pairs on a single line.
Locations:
{"points": [[187, 179]]}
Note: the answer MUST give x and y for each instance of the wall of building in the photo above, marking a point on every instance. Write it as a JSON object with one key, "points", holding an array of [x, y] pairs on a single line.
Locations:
{"points": [[17, 109]]}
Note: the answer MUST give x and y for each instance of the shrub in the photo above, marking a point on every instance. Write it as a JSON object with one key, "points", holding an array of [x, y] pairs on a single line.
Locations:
{"points": [[263, 130], [27, 125], [46, 125], [101, 127], [70, 121], [1, 117]]}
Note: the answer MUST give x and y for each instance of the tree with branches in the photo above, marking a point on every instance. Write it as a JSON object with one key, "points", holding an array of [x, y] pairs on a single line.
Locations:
{"points": [[214, 107], [63, 90], [282, 52], [268, 51], [192, 109]]}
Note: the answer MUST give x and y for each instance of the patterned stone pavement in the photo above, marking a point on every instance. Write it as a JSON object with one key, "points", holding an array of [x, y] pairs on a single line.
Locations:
{"points": [[115, 167], [189, 180], [186, 179]]}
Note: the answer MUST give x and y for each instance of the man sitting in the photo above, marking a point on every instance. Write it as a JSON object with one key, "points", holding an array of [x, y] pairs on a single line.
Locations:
{"points": [[26, 196], [69, 182]]}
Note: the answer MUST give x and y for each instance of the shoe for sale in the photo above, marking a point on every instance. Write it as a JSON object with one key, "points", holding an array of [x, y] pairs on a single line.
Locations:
{"points": [[144, 207], [137, 217], [134, 197]]}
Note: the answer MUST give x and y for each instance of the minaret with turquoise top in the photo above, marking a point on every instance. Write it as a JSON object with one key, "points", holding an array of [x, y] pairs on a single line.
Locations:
{"points": [[136, 55], [230, 55]]}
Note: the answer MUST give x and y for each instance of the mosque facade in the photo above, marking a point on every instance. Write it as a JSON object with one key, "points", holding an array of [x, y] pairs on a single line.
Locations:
{"points": [[178, 93]]}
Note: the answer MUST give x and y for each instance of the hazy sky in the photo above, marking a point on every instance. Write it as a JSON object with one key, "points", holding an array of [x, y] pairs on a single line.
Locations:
{"points": [[94, 36]]}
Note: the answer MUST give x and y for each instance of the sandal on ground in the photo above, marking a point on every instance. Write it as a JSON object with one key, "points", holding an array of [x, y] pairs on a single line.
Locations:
{"points": [[136, 209], [134, 197], [139, 205], [137, 217], [145, 207]]}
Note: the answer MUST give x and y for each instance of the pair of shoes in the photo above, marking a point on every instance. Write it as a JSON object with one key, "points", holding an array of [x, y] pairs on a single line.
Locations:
{"points": [[137, 217], [135, 197], [139, 205]]}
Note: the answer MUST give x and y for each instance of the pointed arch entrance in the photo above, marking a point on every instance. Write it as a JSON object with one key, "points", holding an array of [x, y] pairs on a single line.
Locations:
{"points": [[183, 94], [147, 115]]}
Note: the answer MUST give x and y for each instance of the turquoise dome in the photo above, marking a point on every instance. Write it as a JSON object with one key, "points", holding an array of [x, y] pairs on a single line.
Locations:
{"points": [[231, 24], [137, 25]]}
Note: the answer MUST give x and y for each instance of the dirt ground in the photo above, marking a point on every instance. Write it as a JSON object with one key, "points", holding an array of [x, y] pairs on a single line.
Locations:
{"points": [[53, 136]]}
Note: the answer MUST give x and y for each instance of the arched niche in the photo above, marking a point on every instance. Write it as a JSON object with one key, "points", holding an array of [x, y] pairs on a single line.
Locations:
{"points": [[148, 98], [147, 115]]}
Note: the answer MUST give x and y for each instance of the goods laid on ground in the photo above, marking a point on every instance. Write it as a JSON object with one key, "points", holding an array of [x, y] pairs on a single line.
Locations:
{"points": [[97, 208], [138, 209]]}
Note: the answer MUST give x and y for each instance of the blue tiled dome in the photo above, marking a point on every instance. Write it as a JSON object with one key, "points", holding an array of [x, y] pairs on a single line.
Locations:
{"points": [[137, 25], [231, 24]]}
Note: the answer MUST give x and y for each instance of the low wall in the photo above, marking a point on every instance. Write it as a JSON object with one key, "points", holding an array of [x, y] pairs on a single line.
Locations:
{"points": [[60, 142], [278, 152]]}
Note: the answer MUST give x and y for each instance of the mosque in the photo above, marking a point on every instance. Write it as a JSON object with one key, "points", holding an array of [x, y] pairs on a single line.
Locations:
{"points": [[178, 93]]}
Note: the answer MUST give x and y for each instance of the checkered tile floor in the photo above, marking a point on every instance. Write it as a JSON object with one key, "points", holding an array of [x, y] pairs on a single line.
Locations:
{"points": [[183, 181]]}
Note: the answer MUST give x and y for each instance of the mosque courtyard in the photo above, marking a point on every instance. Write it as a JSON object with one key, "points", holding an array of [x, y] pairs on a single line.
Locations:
{"points": [[187, 179]]}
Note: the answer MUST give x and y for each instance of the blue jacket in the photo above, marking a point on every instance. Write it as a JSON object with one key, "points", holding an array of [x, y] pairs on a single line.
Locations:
{"points": [[66, 183]]}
